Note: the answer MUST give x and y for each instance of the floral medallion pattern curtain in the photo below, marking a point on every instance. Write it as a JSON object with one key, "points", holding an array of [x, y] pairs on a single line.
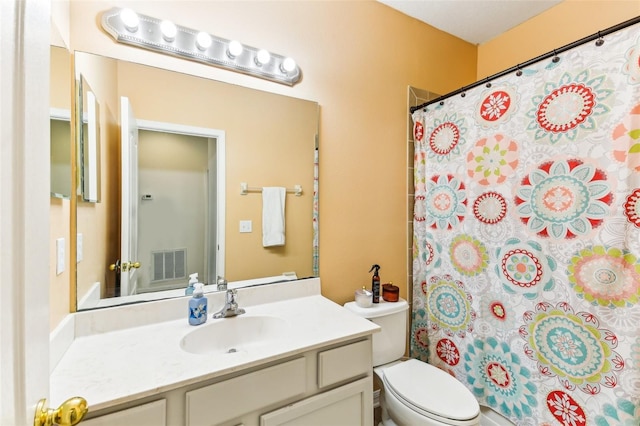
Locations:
{"points": [[527, 238]]}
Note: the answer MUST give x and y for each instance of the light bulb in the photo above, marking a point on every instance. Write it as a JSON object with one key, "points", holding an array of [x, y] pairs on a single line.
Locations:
{"points": [[235, 49], [203, 40], [169, 30], [129, 19], [288, 65], [263, 57]]}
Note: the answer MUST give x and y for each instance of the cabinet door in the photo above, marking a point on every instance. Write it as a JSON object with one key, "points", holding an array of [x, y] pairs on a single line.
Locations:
{"points": [[350, 405], [232, 399], [151, 414]]}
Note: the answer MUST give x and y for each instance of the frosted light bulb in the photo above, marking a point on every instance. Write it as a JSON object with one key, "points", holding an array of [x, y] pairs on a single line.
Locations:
{"points": [[129, 19], [203, 40], [288, 65], [169, 30], [263, 57], [235, 49]]}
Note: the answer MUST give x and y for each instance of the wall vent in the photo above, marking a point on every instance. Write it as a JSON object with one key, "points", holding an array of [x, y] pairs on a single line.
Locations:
{"points": [[169, 264]]}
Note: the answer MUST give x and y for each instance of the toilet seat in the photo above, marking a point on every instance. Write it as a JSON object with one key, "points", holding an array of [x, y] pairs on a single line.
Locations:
{"points": [[431, 392]]}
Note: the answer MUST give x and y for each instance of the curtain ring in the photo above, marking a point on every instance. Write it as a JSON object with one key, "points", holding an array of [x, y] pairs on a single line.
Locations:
{"points": [[556, 58], [600, 40], [518, 70], [488, 84]]}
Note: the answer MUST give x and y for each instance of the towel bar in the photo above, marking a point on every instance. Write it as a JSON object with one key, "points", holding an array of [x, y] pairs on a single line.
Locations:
{"points": [[245, 188]]}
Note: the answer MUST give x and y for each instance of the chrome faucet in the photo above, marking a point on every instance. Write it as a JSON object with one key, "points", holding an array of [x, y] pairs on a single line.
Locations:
{"points": [[230, 308], [222, 283]]}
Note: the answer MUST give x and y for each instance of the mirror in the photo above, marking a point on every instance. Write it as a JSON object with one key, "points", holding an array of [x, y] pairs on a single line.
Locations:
{"points": [[198, 141], [60, 130], [89, 146]]}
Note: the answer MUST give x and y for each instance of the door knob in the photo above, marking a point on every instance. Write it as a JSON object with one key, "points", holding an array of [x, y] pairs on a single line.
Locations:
{"points": [[115, 266], [124, 266], [69, 413], [130, 265]]}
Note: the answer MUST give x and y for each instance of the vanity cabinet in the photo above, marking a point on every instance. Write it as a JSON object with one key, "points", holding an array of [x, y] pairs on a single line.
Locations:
{"points": [[150, 414], [345, 405], [330, 385]]}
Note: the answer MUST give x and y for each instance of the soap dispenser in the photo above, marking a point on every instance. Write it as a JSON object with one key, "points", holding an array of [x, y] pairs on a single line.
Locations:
{"points": [[198, 306], [193, 279]]}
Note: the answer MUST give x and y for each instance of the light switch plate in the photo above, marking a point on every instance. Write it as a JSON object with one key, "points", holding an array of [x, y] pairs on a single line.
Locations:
{"points": [[245, 226], [60, 256]]}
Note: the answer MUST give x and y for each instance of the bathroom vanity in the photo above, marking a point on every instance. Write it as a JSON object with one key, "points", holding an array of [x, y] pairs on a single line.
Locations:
{"points": [[300, 359]]}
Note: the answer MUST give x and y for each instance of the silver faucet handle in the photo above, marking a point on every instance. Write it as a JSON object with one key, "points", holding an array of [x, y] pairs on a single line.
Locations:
{"points": [[231, 296]]}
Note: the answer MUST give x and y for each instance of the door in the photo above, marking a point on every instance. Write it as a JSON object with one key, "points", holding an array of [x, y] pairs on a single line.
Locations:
{"points": [[24, 208], [129, 203]]}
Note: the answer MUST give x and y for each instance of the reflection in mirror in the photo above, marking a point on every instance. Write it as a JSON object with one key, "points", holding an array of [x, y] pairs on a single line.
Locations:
{"points": [[60, 137], [89, 147], [60, 130], [268, 139], [180, 169]]}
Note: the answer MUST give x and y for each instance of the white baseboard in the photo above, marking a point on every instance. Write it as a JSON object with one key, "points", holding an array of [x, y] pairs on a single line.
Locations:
{"points": [[60, 339], [91, 299]]}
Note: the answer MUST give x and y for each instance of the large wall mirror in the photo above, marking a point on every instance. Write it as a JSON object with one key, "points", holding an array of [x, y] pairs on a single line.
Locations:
{"points": [[60, 130], [177, 148]]}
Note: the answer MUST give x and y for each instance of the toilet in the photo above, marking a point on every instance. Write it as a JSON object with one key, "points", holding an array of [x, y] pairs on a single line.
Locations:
{"points": [[413, 392]]}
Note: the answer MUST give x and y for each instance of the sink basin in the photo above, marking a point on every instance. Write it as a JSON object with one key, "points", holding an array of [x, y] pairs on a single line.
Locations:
{"points": [[234, 335]]}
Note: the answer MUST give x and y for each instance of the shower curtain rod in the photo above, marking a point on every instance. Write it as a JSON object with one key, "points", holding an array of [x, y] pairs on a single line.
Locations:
{"points": [[519, 67]]}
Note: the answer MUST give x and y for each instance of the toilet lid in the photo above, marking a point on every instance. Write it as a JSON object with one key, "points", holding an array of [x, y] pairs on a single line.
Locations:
{"points": [[428, 389]]}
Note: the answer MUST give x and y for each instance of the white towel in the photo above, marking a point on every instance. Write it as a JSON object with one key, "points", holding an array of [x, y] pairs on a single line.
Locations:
{"points": [[273, 216]]}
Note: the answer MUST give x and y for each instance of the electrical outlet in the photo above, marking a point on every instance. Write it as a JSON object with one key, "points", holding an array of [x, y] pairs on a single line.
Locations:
{"points": [[245, 226], [60, 256]]}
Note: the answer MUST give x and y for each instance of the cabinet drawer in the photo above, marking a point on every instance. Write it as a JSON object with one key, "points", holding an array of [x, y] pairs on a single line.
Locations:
{"points": [[350, 404], [344, 363], [151, 414], [232, 398]]}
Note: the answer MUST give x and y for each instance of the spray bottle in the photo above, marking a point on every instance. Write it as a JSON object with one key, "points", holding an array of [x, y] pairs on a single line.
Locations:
{"points": [[375, 283]]}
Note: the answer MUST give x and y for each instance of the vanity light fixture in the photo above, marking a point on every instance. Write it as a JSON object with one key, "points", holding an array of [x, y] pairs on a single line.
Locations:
{"points": [[235, 49], [203, 41], [129, 19], [288, 65], [262, 57], [129, 27], [169, 30]]}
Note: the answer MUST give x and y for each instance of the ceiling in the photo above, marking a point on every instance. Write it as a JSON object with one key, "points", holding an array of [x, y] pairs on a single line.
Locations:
{"points": [[475, 21]]}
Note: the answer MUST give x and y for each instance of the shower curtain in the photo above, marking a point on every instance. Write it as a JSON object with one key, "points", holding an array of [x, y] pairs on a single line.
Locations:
{"points": [[526, 258]]}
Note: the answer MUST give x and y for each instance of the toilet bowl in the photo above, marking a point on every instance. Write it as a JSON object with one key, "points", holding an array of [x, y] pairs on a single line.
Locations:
{"points": [[413, 393], [418, 394]]}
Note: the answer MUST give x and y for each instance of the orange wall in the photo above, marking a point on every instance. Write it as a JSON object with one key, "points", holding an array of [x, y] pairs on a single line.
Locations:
{"points": [[357, 59], [565, 23]]}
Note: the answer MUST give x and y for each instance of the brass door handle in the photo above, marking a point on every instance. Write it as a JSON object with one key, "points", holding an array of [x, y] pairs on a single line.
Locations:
{"points": [[130, 265], [69, 413], [124, 266]]}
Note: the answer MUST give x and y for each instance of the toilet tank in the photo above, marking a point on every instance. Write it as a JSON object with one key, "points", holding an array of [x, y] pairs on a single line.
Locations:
{"points": [[389, 343]]}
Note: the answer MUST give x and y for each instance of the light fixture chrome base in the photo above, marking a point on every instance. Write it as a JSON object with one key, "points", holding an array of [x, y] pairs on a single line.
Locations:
{"points": [[146, 33]]}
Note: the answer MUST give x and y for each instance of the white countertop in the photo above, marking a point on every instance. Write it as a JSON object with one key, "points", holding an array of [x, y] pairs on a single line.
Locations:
{"points": [[127, 364]]}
